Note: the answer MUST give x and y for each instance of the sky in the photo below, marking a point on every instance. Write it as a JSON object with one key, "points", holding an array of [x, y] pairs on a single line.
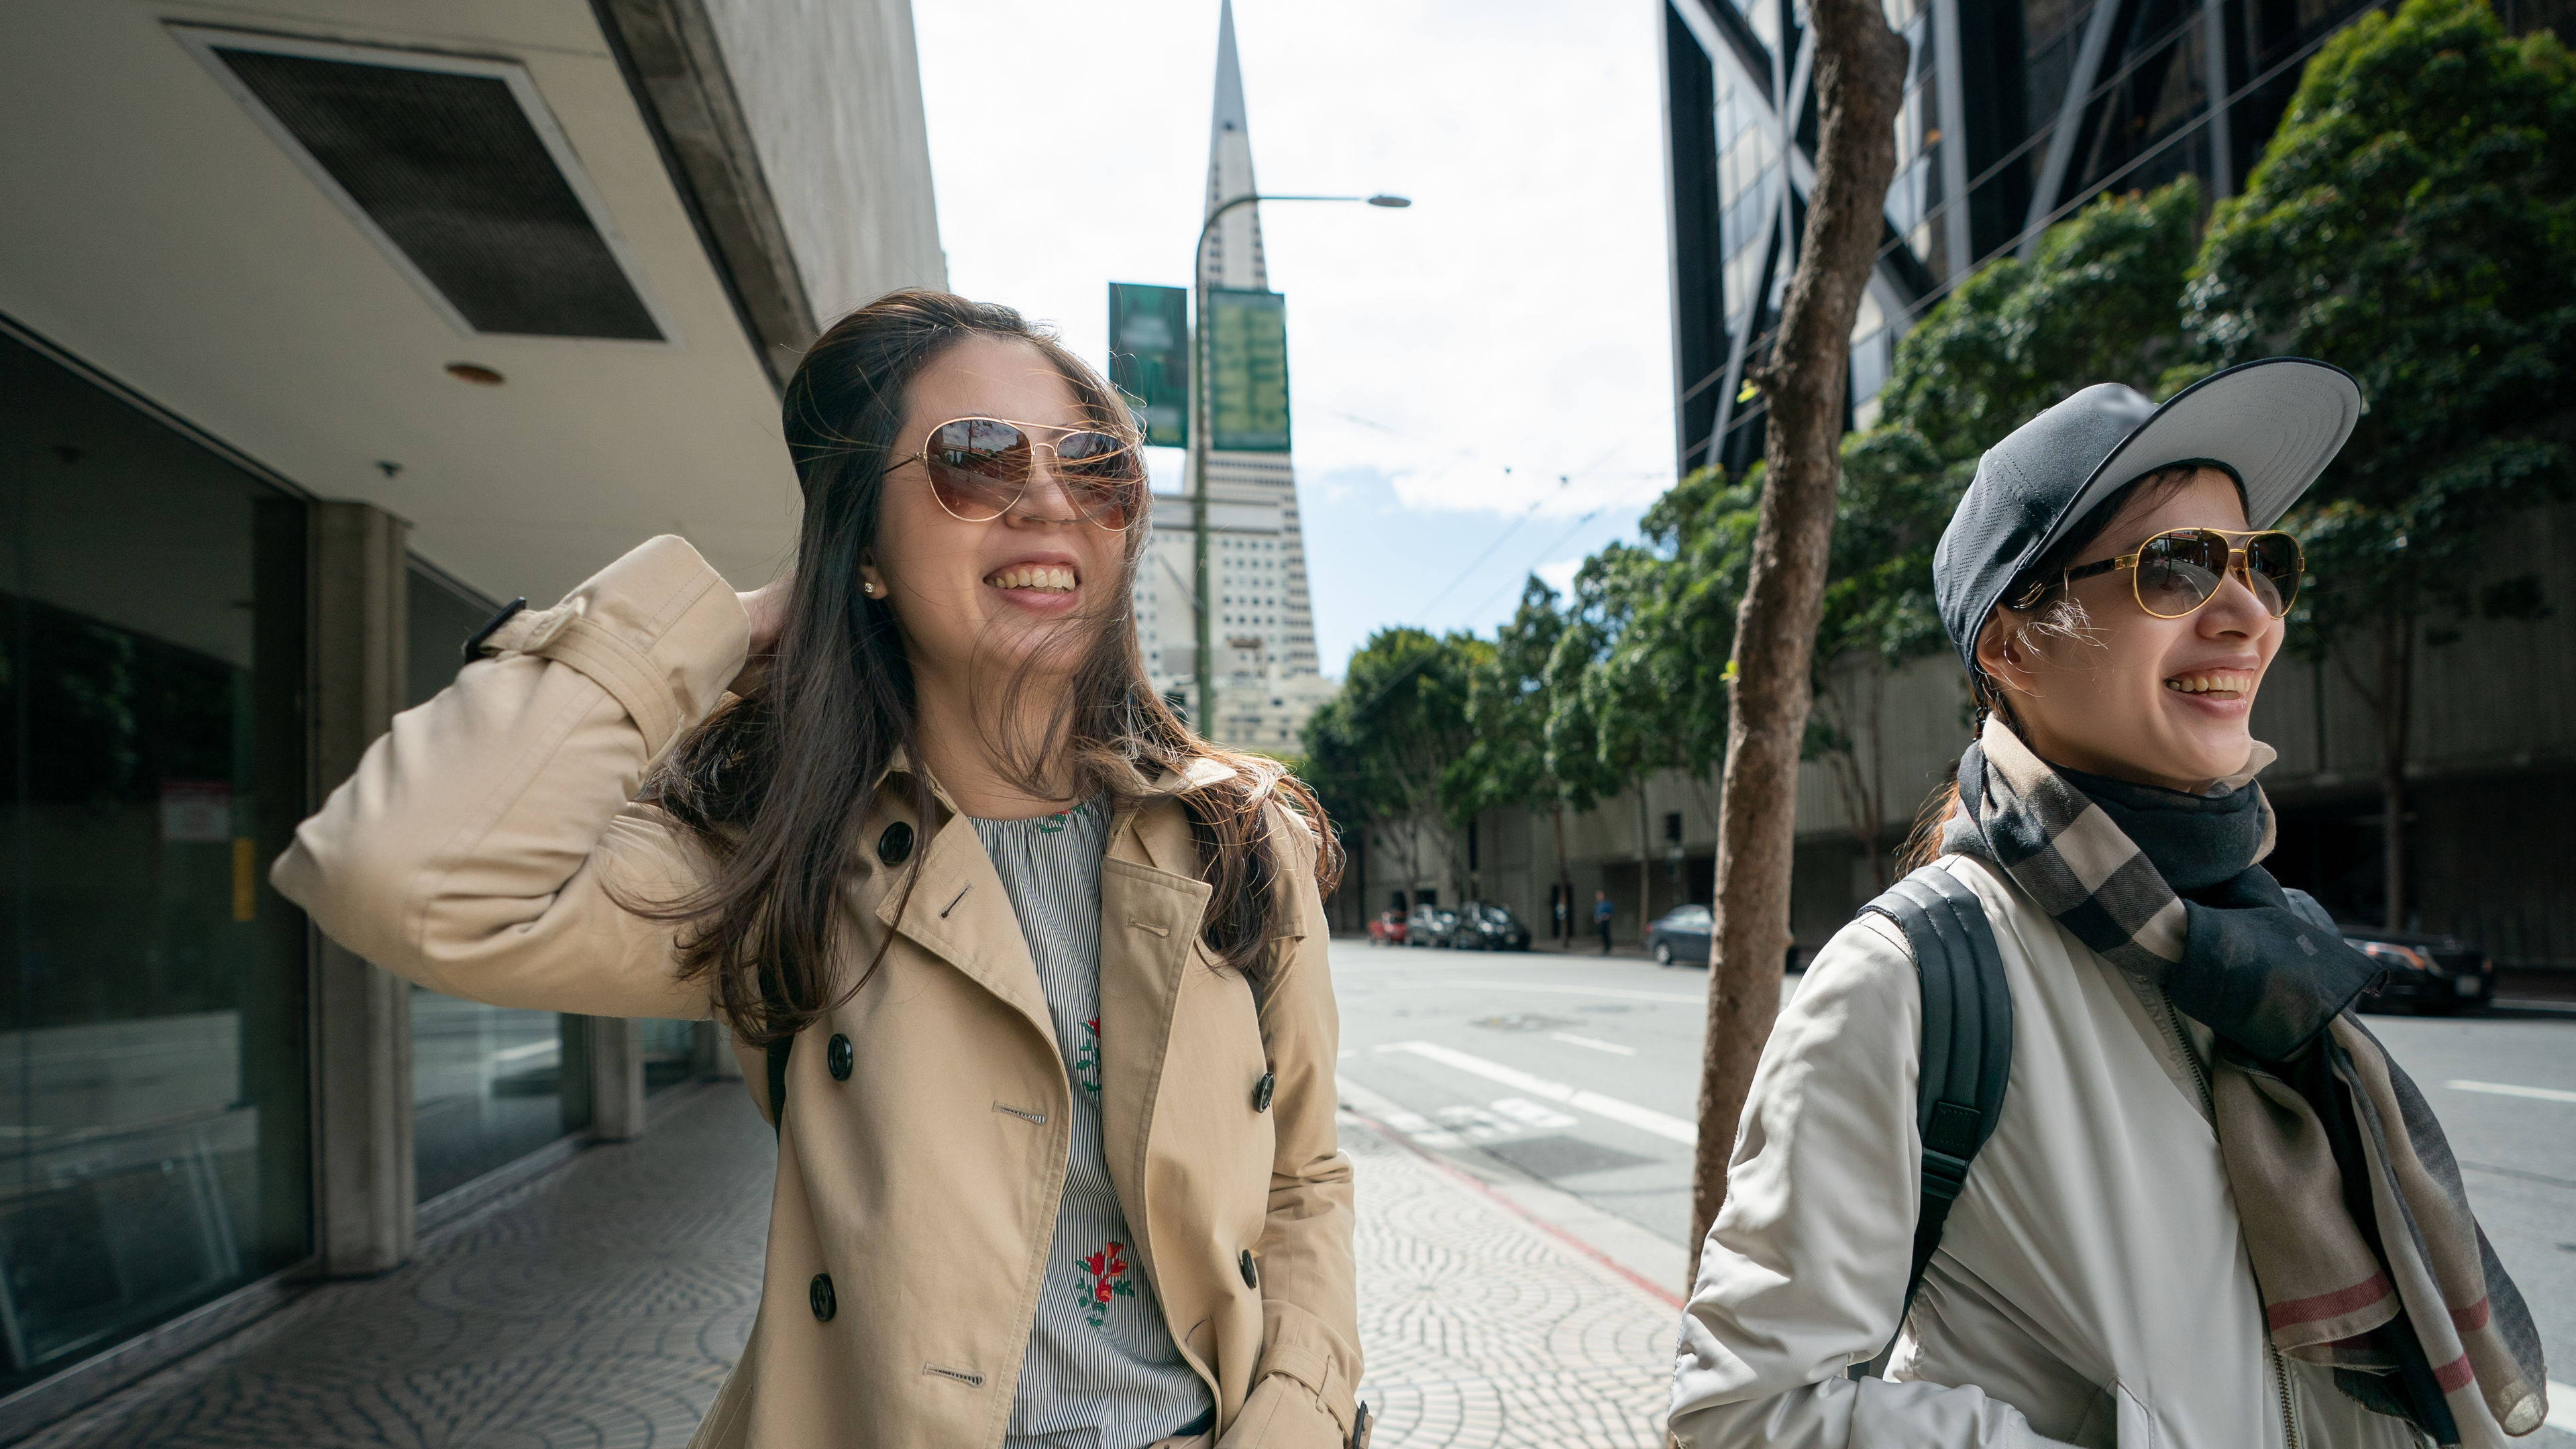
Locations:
{"points": [[1481, 385]]}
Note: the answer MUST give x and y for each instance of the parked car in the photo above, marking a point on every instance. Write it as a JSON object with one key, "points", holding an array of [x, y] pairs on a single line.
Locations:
{"points": [[2430, 975], [1387, 929], [1485, 926], [1431, 925], [1680, 936]]}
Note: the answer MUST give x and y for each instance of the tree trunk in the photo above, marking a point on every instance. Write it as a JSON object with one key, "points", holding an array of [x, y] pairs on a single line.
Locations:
{"points": [[2395, 708], [1645, 867], [1565, 880], [1859, 74]]}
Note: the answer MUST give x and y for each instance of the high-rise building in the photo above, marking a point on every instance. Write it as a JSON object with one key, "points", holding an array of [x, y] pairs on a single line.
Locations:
{"points": [[2016, 113], [1267, 679]]}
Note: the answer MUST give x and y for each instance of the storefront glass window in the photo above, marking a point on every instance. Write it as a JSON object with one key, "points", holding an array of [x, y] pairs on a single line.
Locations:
{"points": [[488, 1084], [153, 1126]]}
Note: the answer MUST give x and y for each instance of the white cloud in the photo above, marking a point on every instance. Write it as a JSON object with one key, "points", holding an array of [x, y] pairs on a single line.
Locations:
{"points": [[1560, 574], [1515, 317]]}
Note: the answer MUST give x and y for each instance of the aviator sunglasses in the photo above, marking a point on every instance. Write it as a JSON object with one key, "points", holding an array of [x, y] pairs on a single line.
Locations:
{"points": [[2180, 570], [980, 467]]}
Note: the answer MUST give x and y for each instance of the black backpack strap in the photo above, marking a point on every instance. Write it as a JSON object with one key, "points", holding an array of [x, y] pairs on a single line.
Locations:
{"points": [[1967, 1042]]}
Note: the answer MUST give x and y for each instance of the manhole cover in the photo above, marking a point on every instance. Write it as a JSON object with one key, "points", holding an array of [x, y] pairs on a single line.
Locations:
{"points": [[1521, 1021], [1561, 1156]]}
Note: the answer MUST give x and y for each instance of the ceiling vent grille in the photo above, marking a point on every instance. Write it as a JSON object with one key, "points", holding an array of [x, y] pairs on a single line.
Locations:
{"points": [[457, 170]]}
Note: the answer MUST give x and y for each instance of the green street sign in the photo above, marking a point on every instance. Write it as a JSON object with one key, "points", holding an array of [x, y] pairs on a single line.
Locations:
{"points": [[1149, 358], [1248, 343]]}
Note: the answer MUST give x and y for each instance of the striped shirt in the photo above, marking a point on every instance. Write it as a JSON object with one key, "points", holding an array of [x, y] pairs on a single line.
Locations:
{"points": [[1102, 1371]]}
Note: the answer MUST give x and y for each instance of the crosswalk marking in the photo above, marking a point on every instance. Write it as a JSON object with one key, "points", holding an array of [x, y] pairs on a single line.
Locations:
{"points": [[1594, 1042], [1644, 1119], [1694, 998], [2509, 1089]]}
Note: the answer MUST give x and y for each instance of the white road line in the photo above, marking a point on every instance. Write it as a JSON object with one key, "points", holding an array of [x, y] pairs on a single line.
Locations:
{"points": [[1644, 1119], [2562, 1406], [1595, 1043], [2508, 1089], [1696, 998]]}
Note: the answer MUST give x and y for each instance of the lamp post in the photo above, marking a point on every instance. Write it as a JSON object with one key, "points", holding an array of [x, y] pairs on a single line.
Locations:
{"points": [[1202, 409]]}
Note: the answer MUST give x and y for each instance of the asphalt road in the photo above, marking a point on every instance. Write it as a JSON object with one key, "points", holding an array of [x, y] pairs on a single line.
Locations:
{"points": [[1570, 1083]]}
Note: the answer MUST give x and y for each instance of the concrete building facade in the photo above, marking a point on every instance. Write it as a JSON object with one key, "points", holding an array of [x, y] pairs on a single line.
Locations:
{"points": [[324, 329]]}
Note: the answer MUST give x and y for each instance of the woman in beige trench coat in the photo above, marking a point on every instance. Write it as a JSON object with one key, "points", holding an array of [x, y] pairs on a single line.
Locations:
{"points": [[1032, 1191]]}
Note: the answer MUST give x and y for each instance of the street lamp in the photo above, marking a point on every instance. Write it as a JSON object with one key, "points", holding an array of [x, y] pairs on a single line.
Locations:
{"points": [[1202, 406]]}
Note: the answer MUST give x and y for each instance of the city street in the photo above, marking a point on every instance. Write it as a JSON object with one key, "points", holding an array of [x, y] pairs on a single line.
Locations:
{"points": [[1568, 1084]]}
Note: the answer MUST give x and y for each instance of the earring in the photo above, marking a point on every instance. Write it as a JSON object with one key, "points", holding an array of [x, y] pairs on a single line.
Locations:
{"points": [[867, 588]]}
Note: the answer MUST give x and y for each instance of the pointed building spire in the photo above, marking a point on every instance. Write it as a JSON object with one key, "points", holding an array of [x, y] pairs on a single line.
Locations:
{"points": [[1233, 255]]}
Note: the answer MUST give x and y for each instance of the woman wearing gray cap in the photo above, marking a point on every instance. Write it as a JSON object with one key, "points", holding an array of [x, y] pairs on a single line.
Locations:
{"points": [[2211, 1212]]}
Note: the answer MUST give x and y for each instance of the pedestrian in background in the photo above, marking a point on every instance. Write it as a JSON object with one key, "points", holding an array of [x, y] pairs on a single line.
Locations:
{"points": [[1602, 911], [2212, 1213], [1029, 977]]}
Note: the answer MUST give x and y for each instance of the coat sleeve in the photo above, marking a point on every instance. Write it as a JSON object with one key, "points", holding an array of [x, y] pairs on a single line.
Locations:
{"points": [[1804, 1270], [1304, 1393], [488, 843]]}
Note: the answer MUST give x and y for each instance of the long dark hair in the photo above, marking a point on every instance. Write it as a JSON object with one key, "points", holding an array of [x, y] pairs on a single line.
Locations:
{"points": [[2047, 612], [772, 785]]}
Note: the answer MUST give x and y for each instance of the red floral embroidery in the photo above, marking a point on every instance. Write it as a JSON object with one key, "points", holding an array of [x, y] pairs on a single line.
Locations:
{"points": [[1104, 1276]]}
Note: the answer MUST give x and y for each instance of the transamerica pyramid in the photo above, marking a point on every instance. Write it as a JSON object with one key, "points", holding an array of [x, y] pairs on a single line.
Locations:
{"points": [[1267, 678]]}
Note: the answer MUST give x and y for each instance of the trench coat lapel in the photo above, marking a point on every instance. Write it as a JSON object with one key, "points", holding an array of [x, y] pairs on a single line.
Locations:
{"points": [[959, 912], [1152, 904]]}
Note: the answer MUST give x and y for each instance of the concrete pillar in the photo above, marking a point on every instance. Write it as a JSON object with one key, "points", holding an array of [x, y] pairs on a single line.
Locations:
{"points": [[363, 1194], [616, 1079], [714, 1052]]}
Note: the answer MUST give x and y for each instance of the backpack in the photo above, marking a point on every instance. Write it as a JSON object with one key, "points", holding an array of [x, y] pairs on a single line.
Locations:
{"points": [[1967, 1046], [1967, 1042]]}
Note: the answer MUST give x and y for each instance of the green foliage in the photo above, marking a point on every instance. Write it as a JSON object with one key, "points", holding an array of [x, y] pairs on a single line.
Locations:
{"points": [[1383, 747], [1505, 764], [2414, 221], [2094, 304], [1639, 675]]}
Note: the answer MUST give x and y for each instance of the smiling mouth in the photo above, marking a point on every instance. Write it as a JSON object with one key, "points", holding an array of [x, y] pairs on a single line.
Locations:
{"points": [[2214, 683], [1040, 578]]}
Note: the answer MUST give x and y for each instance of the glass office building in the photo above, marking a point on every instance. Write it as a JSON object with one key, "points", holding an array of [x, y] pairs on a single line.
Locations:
{"points": [[2015, 114], [489, 1084], [153, 1074]]}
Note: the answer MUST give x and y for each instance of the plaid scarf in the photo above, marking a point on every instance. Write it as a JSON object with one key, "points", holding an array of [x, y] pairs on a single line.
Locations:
{"points": [[2363, 1246]]}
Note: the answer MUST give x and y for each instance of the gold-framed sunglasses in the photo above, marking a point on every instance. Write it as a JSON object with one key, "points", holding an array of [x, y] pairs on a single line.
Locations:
{"points": [[2181, 569], [980, 467]]}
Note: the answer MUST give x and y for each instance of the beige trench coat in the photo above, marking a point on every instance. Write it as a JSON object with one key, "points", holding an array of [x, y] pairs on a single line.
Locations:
{"points": [[483, 848]]}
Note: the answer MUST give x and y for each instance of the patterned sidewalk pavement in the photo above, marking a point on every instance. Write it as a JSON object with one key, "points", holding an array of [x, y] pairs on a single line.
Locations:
{"points": [[600, 1305]]}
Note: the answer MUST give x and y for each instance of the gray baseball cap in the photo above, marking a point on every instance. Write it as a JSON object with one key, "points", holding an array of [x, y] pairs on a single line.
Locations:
{"points": [[2275, 424]]}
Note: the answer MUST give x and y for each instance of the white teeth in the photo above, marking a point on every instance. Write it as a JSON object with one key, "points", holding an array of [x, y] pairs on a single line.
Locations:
{"points": [[1045, 578]]}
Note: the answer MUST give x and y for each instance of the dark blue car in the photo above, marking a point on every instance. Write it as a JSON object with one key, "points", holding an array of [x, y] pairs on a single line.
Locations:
{"points": [[1679, 937]]}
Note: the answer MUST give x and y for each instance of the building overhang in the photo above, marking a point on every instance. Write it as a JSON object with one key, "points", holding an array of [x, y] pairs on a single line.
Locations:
{"points": [[169, 233]]}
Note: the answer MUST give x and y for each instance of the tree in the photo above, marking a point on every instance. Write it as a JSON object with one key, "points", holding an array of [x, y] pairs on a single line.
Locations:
{"points": [[2413, 220], [1656, 619], [1383, 748], [1859, 70], [1506, 763]]}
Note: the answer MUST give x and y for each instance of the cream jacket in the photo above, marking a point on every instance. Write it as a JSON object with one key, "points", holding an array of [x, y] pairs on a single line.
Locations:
{"points": [[484, 846], [2091, 1286]]}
